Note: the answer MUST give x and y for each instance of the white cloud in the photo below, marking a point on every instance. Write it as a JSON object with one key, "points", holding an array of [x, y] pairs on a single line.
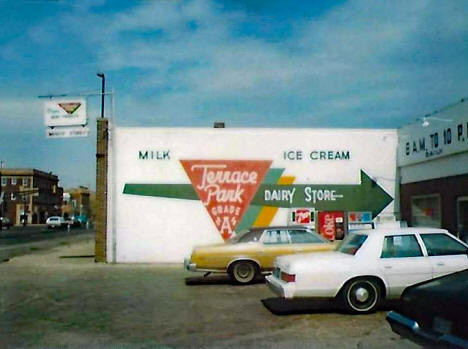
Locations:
{"points": [[19, 110], [365, 63], [360, 58]]}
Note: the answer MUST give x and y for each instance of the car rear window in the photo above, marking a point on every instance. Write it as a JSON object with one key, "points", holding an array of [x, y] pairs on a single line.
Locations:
{"points": [[246, 236], [251, 236], [351, 244], [442, 245]]}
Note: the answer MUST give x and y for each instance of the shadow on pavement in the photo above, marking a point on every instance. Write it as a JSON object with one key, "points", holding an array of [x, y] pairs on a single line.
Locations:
{"points": [[217, 279], [281, 306], [81, 256]]}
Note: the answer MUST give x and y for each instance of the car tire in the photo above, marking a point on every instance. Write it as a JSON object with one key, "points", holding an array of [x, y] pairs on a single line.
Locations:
{"points": [[243, 272], [361, 296]]}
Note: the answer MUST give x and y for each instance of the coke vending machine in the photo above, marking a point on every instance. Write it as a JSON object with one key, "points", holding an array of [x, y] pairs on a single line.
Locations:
{"points": [[331, 224]]}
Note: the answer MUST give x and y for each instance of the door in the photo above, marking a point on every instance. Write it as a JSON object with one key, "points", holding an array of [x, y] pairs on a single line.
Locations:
{"points": [[462, 218], [402, 263], [275, 242], [446, 254]]}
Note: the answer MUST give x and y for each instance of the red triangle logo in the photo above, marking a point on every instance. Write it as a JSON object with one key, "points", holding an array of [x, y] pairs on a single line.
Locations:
{"points": [[226, 188], [71, 107]]}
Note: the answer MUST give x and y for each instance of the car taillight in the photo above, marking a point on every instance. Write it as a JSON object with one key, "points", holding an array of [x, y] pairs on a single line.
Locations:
{"points": [[288, 277]]}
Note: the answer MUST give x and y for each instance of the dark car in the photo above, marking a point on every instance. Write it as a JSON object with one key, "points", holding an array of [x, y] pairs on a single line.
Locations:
{"points": [[73, 221], [434, 313], [6, 223]]}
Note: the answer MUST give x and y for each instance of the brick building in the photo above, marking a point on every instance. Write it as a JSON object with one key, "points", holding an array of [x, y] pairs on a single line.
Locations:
{"points": [[76, 202], [433, 168], [31, 194]]}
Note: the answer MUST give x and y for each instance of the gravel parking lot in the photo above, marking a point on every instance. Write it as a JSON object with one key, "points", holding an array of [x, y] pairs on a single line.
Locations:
{"points": [[61, 298]]}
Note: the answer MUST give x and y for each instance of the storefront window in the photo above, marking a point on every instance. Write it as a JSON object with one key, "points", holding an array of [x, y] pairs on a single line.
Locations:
{"points": [[425, 211], [462, 218]]}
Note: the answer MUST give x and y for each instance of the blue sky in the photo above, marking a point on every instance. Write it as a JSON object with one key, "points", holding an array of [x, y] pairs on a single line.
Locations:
{"points": [[359, 64]]}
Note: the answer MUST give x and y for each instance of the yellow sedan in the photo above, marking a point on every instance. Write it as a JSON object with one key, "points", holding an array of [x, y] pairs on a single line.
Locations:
{"points": [[253, 251]]}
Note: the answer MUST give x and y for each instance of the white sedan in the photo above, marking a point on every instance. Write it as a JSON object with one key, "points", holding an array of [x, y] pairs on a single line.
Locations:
{"points": [[56, 222], [369, 266]]}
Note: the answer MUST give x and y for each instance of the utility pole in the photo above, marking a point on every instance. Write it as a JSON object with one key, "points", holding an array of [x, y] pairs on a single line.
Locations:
{"points": [[102, 140], [103, 92], [1, 197], [2, 194]]}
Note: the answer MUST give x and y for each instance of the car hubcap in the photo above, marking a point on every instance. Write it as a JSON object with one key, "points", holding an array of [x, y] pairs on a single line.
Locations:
{"points": [[243, 271], [362, 294]]}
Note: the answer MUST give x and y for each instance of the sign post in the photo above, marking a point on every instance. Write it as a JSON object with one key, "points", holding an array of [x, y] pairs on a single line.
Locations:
{"points": [[66, 118]]}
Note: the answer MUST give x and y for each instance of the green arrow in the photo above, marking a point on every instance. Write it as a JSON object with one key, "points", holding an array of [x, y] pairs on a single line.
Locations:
{"points": [[252, 212], [367, 196], [175, 191]]}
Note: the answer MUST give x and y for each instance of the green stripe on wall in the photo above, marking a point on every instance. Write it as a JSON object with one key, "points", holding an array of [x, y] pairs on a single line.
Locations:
{"points": [[252, 212]]}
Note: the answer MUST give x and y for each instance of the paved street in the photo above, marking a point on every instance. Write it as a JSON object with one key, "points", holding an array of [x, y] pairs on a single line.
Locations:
{"points": [[18, 235], [61, 298], [22, 240]]}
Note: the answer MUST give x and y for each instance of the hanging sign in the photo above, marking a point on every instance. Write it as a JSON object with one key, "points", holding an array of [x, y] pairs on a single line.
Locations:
{"points": [[65, 112], [67, 132]]}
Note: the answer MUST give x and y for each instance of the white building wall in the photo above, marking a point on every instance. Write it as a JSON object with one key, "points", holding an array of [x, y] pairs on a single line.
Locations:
{"points": [[439, 168], [155, 229]]}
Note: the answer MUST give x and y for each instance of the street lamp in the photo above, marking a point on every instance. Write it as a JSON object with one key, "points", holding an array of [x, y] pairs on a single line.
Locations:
{"points": [[102, 76]]}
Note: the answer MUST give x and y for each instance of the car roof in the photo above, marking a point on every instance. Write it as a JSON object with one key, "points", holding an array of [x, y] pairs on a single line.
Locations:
{"points": [[281, 227], [400, 231]]}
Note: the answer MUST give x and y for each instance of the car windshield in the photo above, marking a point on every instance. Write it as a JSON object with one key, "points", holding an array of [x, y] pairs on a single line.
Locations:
{"points": [[351, 244]]}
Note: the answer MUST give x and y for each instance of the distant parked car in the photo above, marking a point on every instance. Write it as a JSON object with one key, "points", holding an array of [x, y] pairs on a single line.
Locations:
{"points": [[434, 313], [253, 251], [6, 223], [56, 222], [369, 266], [83, 219]]}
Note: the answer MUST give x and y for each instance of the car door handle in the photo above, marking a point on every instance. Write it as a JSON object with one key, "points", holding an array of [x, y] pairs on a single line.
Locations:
{"points": [[440, 264], [387, 266]]}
